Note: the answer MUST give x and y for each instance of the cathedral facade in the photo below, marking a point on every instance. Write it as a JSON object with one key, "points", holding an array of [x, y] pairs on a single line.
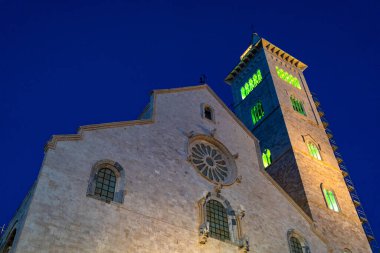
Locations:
{"points": [[190, 175]]}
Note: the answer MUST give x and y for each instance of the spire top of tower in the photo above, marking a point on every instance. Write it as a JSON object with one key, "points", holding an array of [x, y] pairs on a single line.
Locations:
{"points": [[255, 38]]}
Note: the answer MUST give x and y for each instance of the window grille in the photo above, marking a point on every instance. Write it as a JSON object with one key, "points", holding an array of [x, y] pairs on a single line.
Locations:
{"points": [[105, 184], [218, 222], [295, 245], [257, 112]]}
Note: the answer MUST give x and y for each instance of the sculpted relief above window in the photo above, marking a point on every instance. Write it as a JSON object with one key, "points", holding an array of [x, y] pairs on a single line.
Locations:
{"points": [[212, 160]]}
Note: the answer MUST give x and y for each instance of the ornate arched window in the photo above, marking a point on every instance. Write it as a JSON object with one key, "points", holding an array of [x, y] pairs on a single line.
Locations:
{"points": [[220, 221], [314, 150], [216, 215], [107, 182], [297, 243]]}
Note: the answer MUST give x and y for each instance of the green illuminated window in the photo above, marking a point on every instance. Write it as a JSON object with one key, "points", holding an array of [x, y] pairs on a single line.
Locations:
{"points": [[288, 77], [331, 200], [251, 84], [314, 151], [297, 105], [267, 158], [257, 112]]}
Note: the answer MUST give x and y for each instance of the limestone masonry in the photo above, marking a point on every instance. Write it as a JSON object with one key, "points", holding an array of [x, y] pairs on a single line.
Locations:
{"points": [[191, 176]]}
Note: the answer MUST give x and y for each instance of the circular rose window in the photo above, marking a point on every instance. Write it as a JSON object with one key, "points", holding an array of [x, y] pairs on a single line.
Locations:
{"points": [[215, 164]]}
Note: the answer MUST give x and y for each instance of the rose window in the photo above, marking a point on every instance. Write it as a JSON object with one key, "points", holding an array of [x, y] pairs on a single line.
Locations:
{"points": [[214, 164]]}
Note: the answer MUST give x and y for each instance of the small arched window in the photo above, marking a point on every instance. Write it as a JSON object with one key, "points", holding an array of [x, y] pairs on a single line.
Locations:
{"points": [[347, 251], [208, 112], [216, 215], [267, 158], [107, 182], [295, 245], [220, 221], [257, 112], [314, 150], [330, 199]]}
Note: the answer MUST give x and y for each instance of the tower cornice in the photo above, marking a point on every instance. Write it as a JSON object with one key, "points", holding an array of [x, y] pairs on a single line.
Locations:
{"points": [[250, 52]]}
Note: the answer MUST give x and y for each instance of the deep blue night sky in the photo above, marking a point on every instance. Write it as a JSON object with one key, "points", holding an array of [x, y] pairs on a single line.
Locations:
{"points": [[64, 64]]}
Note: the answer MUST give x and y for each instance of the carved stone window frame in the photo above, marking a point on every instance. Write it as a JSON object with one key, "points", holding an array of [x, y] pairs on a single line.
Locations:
{"points": [[234, 220], [296, 234], [120, 187], [205, 106]]}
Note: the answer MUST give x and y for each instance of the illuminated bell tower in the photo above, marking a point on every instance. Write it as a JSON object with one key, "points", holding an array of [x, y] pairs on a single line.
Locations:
{"points": [[272, 99]]}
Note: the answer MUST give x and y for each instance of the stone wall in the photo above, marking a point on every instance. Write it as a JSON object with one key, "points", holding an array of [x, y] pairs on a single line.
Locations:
{"points": [[160, 212], [339, 227]]}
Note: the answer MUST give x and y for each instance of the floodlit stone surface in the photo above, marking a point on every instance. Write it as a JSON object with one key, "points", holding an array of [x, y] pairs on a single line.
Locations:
{"points": [[160, 212]]}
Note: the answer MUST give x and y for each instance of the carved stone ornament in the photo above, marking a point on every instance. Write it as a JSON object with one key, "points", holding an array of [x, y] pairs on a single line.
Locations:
{"points": [[244, 245], [213, 161], [203, 233]]}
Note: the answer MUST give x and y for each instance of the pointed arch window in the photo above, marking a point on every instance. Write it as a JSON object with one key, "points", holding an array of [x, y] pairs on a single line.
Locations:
{"points": [[330, 199], [314, 150], [267, 158], [216, 215]]}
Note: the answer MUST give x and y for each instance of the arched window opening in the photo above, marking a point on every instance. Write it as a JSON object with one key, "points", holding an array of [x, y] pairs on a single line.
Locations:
{"points": [[105, 184], [9, 244], [208, 113], [257, 112], [314, 151], [216, 215], [347, 251], [330, 199], [267, 158], [297, 105], [295, 245]]}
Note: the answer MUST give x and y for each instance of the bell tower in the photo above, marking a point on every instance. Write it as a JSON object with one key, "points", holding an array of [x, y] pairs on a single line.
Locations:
{"points": [[272, 98]]}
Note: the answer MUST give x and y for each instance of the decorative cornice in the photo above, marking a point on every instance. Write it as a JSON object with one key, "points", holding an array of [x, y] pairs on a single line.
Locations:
{"points": [[251, 51], [75, 137]]}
